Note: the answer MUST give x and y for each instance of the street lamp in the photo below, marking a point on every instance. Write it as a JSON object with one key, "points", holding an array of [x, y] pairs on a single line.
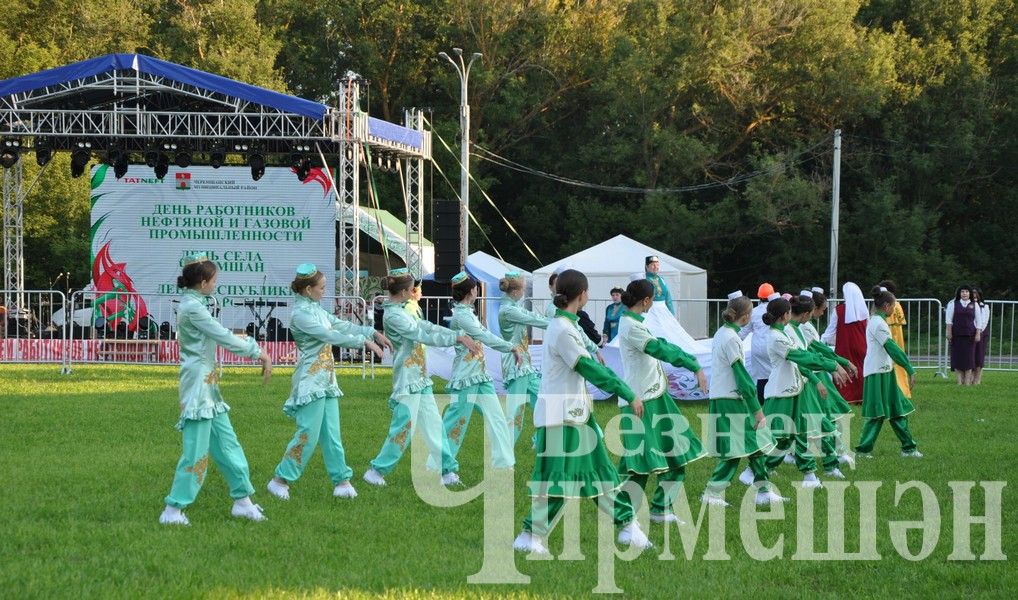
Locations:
{"points": [[463, 70]]}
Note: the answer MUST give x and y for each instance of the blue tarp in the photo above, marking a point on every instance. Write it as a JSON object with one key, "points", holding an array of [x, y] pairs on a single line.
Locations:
{"points": [[395, 133], [175, 72]]}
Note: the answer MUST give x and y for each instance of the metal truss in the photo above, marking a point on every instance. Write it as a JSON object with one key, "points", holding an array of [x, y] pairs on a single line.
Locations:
{"points": [[129, 110], [14, 240], [348, 197], [414, 194]]}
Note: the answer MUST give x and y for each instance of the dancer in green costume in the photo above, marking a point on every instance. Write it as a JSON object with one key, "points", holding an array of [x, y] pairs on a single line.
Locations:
{"points": [[412, 401], [572, 461], [882, 398], [471, 386], [521, 379], [661, 443], [204, 421], [736, 427], [795, 413], [314, 393]]}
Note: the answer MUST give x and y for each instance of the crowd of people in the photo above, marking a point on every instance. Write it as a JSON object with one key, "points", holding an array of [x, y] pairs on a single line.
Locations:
{"points": [[786, 403]]}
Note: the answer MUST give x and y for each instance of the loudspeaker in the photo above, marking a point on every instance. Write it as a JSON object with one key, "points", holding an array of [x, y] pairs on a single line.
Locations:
{"points": [[446, 237]]}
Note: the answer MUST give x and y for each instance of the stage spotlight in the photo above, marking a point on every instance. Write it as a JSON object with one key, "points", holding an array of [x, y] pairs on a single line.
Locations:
{"points": [[112, 156], [301, 162], [10, 152], [121, 164], [151, 157], [182, 159], [80, 158], [118, 159], [303, 168], [217, 157], [162, 167], [256, 161], [43, 153]]}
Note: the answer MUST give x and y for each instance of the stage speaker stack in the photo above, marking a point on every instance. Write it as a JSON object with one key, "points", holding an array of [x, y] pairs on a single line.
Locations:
{"points": [[446, 237]]}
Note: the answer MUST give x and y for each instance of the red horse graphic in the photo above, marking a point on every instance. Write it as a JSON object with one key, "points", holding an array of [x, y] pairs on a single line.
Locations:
{"points": [[118, 301]]}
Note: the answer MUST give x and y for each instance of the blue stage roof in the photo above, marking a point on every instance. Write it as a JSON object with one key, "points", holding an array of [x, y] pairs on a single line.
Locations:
{"points": [[162, 68]]}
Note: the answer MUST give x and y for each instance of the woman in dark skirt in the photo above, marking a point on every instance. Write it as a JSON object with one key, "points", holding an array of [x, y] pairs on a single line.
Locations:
{"points": [[983, 327], [962, 334]]}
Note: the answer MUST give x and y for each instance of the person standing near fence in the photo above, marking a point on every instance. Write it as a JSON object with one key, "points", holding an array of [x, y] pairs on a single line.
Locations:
{"points": [[471, 386], [412, 401], [759, 361], [522, 381], [652, 268], [962, 334], [204, 421], [314, 393], [882, 399], [983, 326], [846, 331]]}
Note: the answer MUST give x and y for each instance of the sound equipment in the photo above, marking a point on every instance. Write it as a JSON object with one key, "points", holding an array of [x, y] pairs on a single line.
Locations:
{"points": [[446, 237]]}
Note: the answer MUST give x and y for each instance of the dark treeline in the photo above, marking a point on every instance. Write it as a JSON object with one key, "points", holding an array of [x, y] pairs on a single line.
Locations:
{"points": [[648, 94]]}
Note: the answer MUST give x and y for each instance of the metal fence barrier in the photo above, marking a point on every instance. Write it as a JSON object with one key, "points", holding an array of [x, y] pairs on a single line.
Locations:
{"points": [[124, 328], [29, 332], [44, 326], [131, 328], [1000, 345]]}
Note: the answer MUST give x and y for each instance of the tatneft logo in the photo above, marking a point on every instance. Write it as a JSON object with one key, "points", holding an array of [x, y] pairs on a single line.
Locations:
{"points": [[140, 180], [183, 181]]}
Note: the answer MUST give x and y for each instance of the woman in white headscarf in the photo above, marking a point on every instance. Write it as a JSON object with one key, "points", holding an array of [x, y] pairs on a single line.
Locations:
{"points": [[846, 330]]}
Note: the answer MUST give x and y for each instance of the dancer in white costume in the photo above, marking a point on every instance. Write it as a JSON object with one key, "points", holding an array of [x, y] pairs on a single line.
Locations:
{"points": [[662, 323]]}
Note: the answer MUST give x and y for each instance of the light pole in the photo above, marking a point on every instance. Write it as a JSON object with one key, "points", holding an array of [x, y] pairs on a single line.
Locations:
{"points": [[463, 70], [835, 212]]}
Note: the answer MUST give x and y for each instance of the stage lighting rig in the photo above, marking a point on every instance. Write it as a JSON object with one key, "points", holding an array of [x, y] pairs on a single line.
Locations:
{"points": [[300, 161], [43, 152], [10, 152], [80, 157], [217, 157], [256, 160]]}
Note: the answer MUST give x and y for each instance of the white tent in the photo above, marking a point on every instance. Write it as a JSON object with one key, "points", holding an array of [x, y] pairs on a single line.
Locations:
{"points": [[610, 263], [489, 270]]}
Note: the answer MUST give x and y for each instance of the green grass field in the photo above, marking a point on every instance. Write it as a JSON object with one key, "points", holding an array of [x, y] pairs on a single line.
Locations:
{"points": [[88, 458]]}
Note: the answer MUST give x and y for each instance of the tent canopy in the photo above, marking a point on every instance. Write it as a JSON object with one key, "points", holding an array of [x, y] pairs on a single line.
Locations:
{"points": [[620, 255], [610, 263]]}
